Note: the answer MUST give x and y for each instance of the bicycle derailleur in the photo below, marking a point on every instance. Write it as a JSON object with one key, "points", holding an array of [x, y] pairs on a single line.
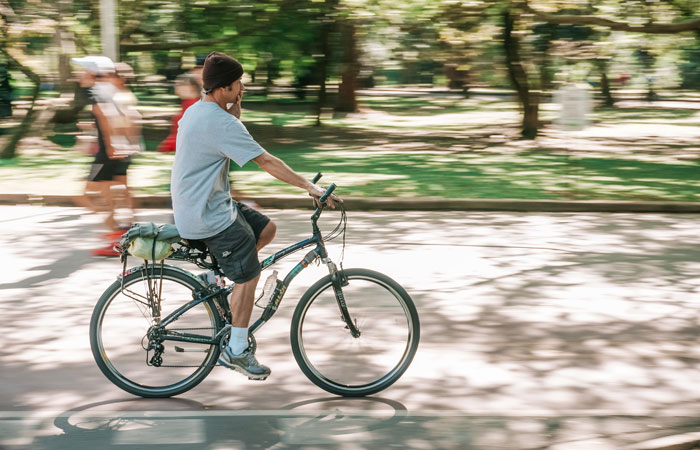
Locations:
{"points": [[155, 344]]}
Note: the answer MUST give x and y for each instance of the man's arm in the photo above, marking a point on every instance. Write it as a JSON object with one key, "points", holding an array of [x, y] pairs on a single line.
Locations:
{"points": [[278, 169]]}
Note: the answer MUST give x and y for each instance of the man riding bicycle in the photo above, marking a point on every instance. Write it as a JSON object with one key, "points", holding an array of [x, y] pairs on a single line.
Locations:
{"points": [[211, 134]]}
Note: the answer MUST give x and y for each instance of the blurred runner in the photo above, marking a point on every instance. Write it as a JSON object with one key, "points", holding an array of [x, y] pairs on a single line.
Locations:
{"points": [[99, 81], [126, 136], [189, 89]]}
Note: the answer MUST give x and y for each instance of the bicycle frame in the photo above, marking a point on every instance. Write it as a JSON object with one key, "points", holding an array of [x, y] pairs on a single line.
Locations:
{"points": [[277, 295]]}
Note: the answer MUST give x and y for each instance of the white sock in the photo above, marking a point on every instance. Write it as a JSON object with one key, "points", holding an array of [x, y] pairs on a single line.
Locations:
{"points": [[239, 340]]}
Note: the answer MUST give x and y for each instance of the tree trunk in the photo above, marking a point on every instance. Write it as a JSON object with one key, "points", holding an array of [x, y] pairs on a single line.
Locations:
{"points": [[602, 65], [322, 65], [347, 101], [71, 113], [609, 101], [5, 90], [457, 78], [546, 77], [65, 45], [10, 149], [529, 100]]}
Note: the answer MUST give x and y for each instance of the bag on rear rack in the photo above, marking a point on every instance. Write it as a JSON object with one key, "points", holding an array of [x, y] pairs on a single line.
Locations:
{"points": [[148, 241]]}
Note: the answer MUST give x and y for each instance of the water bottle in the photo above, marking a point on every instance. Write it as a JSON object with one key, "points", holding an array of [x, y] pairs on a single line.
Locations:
{"points": [[268, 287], [270, 284]]}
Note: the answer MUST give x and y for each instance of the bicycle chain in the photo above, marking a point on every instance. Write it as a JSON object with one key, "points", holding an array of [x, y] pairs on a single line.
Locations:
{"points": [[198, 365]]}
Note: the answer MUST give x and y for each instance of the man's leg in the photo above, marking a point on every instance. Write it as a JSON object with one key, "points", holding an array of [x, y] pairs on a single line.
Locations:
{"points": [[243, 296], [124, 195], [236, 251], [241, 301], [84, 200], [120, 177], [104, 188], [236, 355], [92, 189], [266, 235], [106, 192]]}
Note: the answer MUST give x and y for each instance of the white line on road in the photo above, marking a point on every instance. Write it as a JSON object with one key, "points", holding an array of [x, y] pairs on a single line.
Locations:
{"points": [[572, 413]]}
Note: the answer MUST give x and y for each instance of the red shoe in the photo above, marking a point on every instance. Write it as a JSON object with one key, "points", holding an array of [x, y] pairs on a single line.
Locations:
{"points": [[115, 234], [105, 251]]}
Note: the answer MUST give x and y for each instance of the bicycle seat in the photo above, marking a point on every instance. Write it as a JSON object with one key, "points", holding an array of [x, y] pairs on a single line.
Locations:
{"points": [[196, 244]]}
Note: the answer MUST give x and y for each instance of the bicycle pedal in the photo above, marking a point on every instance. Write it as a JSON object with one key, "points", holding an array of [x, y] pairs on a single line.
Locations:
{"points": [[257, 379]]}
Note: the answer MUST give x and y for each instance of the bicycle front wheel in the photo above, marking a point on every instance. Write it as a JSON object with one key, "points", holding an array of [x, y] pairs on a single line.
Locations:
{"points": [[119, 334], [336, 361]]}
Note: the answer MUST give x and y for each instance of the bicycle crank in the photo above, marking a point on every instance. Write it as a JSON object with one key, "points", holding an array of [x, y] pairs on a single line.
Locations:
{"points": [[179, 349]]}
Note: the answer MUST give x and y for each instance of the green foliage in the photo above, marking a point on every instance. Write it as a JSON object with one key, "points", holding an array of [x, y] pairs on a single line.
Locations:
{"points": [[297, 43], [404, 42], [690, 68]]}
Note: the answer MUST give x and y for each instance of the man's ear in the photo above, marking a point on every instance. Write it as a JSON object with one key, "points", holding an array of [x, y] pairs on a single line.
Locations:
{"points": [[229, 88]]}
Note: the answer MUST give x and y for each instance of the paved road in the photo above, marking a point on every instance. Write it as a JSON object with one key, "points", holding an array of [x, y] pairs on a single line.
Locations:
{"points": [[557, 331]]}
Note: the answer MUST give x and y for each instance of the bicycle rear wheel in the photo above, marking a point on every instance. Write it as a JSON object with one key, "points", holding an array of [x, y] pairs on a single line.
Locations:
{"points": [[122, 319], [350, 366]]}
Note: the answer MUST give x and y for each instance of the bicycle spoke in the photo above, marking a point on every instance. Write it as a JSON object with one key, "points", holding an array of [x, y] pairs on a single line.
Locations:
{"points": [[121, 342], [342, 363]]}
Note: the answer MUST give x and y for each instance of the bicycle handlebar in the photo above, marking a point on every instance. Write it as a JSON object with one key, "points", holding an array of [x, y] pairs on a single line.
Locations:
{"points": [[321, 202], [329, 190], [328, 193]]}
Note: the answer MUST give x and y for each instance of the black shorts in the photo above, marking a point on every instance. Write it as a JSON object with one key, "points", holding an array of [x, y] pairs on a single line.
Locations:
{"points": [[121, 166], [234, 248], [106, 171]]}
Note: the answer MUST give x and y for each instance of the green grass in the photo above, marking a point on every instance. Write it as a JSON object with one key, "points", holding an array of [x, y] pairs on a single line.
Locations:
{"points": [[442, 146], [525, 175], [653, 115]]}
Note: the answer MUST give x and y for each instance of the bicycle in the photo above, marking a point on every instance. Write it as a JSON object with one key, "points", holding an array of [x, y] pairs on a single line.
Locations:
{"points": [[353, 333]]}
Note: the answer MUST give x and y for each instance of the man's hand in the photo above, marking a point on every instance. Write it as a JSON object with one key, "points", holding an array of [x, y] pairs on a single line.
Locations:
{"points": [[316, 192], [112, 153], [235, 108]]}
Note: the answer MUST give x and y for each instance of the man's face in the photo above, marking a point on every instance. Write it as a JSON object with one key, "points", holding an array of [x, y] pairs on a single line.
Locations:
{"points": [[237, 88], [86, 78], [112, 78]]}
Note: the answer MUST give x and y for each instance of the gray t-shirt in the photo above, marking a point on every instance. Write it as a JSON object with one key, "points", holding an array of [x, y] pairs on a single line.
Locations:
{"points": [[207, 137]]}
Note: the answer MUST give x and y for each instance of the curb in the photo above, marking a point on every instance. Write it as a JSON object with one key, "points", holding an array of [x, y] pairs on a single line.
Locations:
{"points": [[404, 204]]}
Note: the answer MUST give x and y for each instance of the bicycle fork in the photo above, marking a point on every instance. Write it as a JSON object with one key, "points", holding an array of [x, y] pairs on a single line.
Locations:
{"points": [[339, 280]]}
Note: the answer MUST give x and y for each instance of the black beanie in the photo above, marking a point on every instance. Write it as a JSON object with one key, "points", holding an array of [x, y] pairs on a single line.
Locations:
{"points": [[220, 70]]}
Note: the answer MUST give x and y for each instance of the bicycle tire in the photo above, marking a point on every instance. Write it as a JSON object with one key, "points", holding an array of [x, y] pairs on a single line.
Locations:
{"points": [[120, 363], [328, 354]]}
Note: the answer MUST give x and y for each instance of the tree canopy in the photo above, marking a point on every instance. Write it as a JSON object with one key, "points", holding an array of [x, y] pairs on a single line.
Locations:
{"points": [[460, 44]]}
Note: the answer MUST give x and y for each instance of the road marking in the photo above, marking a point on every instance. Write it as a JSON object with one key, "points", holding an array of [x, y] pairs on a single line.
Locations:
{"points": [[379, 414]]}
